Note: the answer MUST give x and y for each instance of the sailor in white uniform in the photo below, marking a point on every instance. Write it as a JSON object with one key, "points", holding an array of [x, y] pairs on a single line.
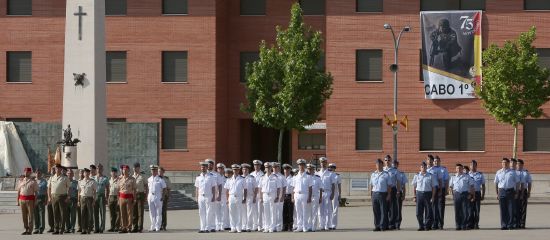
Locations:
{"points": [[157, 189]]}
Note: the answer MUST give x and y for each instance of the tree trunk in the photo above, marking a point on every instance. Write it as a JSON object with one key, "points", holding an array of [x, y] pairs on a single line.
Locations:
{"points": [[280, 147], [515, 150]]}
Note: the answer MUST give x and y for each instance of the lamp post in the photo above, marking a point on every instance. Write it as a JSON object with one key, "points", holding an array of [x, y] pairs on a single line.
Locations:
{"points": [[394, 68]]}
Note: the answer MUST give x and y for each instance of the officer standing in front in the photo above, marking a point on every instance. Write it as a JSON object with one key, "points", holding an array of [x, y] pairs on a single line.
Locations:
{"points": [[87, 188], [380, 191], [479, 187], [328, 180], [302, 196], [437, 222], [26, 197], [114, 211], [462, 187], [139, 202], [205, 191], [506, 181], [57, 194], [236, 198], [424, 184], [258, 174], [394, 184], [126, 195], [337, 197], [157, 188], [524, 193], [41, 202], [270, 187]]}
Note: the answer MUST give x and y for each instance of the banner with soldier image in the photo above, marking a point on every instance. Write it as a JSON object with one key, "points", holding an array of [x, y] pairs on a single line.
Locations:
{"points": [[451, 53]]}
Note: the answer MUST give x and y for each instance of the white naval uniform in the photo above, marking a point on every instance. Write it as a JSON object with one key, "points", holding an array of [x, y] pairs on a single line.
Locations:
{"points": [[279, 219], [328, 179], [317, 188], [224, 209], [235, 190], [335, 202], [204, 183], [301, 183], [156, 185], [215, 220], [269, 186], [258, 217], [249, 208]]}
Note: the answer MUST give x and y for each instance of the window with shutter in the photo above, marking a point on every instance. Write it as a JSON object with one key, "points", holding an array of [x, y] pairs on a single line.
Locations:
{"points": [[370, 5], [115, 7], [18, 120], [452, 135], [536, 4], [311, 141], [369, 65], [116, 120], [19, 66], [20, 7], [247, 57], [174, 134], [368, 134], [544, 57], [472, 4], [439, 5], [174, 66], [536, 135], [313, 7], [116, 66], [252, 7], [174, 7]]}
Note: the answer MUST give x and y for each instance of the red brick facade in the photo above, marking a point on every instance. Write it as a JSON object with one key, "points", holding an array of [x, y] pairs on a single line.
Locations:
{"points": [[214, 34]]}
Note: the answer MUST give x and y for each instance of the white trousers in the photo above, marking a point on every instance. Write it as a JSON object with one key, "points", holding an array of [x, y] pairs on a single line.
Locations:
{"points": [[303, 210], [313, 220], [335, 205], [155, 211], [325, 212], [235, 212], [212, 214], [224, 211], [205, 212], [270, 211], [258, 218], [248, 214], [279, 220]]}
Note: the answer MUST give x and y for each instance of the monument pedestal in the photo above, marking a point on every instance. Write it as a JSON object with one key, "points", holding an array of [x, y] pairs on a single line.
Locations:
{"points": [[69, 157]]}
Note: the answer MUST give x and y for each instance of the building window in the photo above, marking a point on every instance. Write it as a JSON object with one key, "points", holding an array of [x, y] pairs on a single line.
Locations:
{"points": [[536, 135], [253, 7], [370, 5], [544, 57], [116, 66], [247, 57], [313, 7], [115, 7], [368, 65], [311, 141], [174, 66], [20, 7], [118, 120], [536, 5], [368, 134], [18, 120], [174, 7], [174, 134], [19, 66], [442, 5], [452, 135], [321, 65]]}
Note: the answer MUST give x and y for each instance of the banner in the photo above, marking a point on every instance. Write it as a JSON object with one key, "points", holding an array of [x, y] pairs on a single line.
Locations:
{"points": [[451, 53]]}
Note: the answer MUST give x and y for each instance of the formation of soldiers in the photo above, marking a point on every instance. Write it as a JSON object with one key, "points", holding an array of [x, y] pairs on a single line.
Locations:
{"points": [[78, 204], [269, 200], [245, 198]]}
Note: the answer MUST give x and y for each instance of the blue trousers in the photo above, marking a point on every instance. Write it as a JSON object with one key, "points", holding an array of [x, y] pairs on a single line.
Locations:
{"points": [[393, 209], [475, 208], [424, 213], [379, 208], [462, 208], [506, 203], [435, 209]]}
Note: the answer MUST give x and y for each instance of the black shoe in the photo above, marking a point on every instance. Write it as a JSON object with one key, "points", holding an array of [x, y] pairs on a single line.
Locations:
{"points": [[428, 229], [435, 228], [201, 231], [213, 231], [79, 230], [55, 233], [377, 230], [35, 232], [67, 231], [476, 227], [24, 233], [458, 229], [96, 231], [421, 229]]}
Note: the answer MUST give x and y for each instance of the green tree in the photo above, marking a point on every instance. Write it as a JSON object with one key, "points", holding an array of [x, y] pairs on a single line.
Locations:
{"points": [[514, 85], [286, 88]]}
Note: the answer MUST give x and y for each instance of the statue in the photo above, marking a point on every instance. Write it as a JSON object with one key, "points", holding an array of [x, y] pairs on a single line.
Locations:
{"points": [[79, 78], [444, 42], [68, 137]]}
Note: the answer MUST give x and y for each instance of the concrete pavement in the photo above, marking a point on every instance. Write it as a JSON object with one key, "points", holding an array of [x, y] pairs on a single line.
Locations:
{"points": [[355, 223]]}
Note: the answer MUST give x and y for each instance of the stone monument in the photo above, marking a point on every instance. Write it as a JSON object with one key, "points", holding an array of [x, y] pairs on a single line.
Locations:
{"points": [[84, 103]]}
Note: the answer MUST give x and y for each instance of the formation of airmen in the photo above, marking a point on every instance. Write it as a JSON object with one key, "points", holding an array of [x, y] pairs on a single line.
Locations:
{"points": [[78, 204], [245, 198]]}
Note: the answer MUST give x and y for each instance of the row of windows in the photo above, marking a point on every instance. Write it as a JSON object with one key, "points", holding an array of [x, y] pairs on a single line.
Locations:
{"points": [[435, 135], [452, 135], [174, 66], [369, 65], [112, 7], [309, 7]]}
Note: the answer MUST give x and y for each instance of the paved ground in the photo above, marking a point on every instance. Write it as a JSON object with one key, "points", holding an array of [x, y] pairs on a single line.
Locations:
{"points": [[355, 223]]}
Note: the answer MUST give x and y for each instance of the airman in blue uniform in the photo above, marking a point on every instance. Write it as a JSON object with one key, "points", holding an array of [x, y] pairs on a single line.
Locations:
{"points": [[506, 181], [443, 192], [524, 193], [479, 188], [380, 189], [439, 176], [424, 185], [462, 186], [393, 209]]}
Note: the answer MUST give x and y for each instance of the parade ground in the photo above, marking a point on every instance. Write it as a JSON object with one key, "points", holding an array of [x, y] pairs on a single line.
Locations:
{"points": [[354, 223]]}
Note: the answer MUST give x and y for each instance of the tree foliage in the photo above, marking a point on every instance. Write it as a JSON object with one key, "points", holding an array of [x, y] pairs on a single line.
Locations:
{"points": [[514, 85], [286, 88]]}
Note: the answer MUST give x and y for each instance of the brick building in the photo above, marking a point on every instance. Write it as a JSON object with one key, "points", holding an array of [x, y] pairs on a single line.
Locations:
{"points": [[180, 63]]}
